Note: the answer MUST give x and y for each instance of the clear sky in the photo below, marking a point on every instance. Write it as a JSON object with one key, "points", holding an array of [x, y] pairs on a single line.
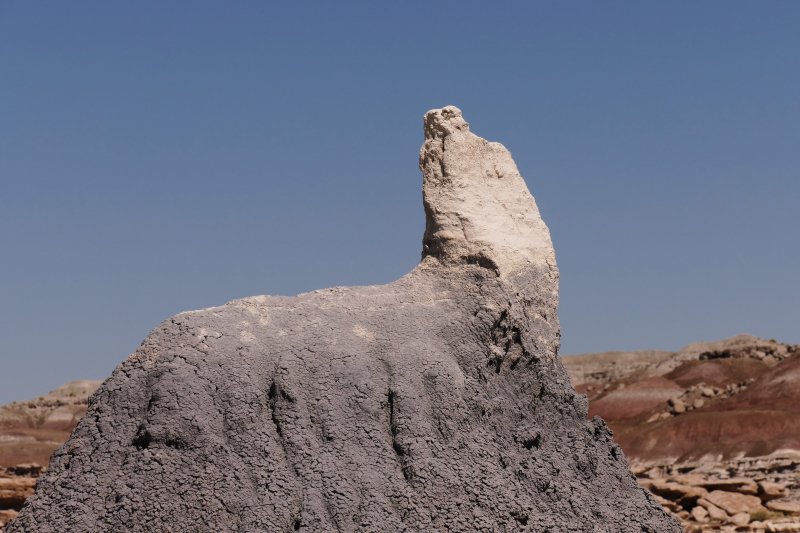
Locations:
{"points": [[158, 157]]}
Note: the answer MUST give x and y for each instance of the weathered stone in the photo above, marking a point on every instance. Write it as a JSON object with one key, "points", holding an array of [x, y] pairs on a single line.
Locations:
{"points": [[28, 469], [714, 512], [740, 519], [784, 507], [646, 483], [687, 495], [782, 527], [435, 403], [768, 490], [700, 514], [734, 503], [690, 497], [689, 479], [740, 484], [678, 406], [14, 491], [6, 516]]}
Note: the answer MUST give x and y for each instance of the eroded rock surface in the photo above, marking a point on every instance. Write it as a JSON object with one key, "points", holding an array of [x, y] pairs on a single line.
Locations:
{"points": [[434, 403]]}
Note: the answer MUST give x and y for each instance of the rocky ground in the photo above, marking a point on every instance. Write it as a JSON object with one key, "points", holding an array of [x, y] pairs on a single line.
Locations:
{"points": [[755, 494], [713, 430]]}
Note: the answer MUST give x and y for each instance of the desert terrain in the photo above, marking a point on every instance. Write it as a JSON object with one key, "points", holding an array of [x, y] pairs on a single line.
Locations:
{"points": [[713, 430]]}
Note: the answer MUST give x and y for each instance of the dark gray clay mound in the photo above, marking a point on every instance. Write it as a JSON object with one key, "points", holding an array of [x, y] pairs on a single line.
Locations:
{"points": [[434, 403]]}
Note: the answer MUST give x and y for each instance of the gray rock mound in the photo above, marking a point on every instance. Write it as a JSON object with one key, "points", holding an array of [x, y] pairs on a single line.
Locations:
{"points": [[437, 402]]}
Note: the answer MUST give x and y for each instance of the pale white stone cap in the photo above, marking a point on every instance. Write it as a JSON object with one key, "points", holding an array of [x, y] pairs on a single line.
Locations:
{"points": [[477, 206]]}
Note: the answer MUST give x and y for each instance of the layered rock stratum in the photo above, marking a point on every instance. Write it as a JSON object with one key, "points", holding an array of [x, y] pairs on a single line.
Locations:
{"points": [[30, 430], [713, 430], [707, 403], [437, 402]]}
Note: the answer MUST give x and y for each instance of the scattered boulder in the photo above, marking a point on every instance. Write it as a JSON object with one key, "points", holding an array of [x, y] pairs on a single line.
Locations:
{"points": [[14, 491], [735, 503], [714, 512], [672, 490], [771, 491], [27, 469], [740, 485], [667, 504], [700, 514], [740, 519], [689, 479], [784, 507], [646, 483], [677, 405], [690, 497]]}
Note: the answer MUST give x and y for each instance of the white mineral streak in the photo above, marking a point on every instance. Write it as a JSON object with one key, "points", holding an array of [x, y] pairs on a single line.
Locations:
{"points": [[477, 206]]}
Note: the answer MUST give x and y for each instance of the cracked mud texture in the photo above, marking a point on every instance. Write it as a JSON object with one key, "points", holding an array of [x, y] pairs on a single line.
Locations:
{"points": [[434, 403]]}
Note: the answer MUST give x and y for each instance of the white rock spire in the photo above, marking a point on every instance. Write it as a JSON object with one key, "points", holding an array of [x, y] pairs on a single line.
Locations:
{"points": [[477, 206]]}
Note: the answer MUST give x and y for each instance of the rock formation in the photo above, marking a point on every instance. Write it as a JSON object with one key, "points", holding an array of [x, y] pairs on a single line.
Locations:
{"points": [[437, 402]]}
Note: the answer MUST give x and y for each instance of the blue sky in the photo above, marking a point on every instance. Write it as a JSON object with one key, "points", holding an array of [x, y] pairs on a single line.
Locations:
{"points": [[157, 157]]}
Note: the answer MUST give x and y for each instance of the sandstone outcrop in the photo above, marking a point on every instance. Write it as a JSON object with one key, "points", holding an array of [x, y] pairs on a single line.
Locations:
{"points": [[16, 485], [434, 403], [6, 516], [14, 491]]}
